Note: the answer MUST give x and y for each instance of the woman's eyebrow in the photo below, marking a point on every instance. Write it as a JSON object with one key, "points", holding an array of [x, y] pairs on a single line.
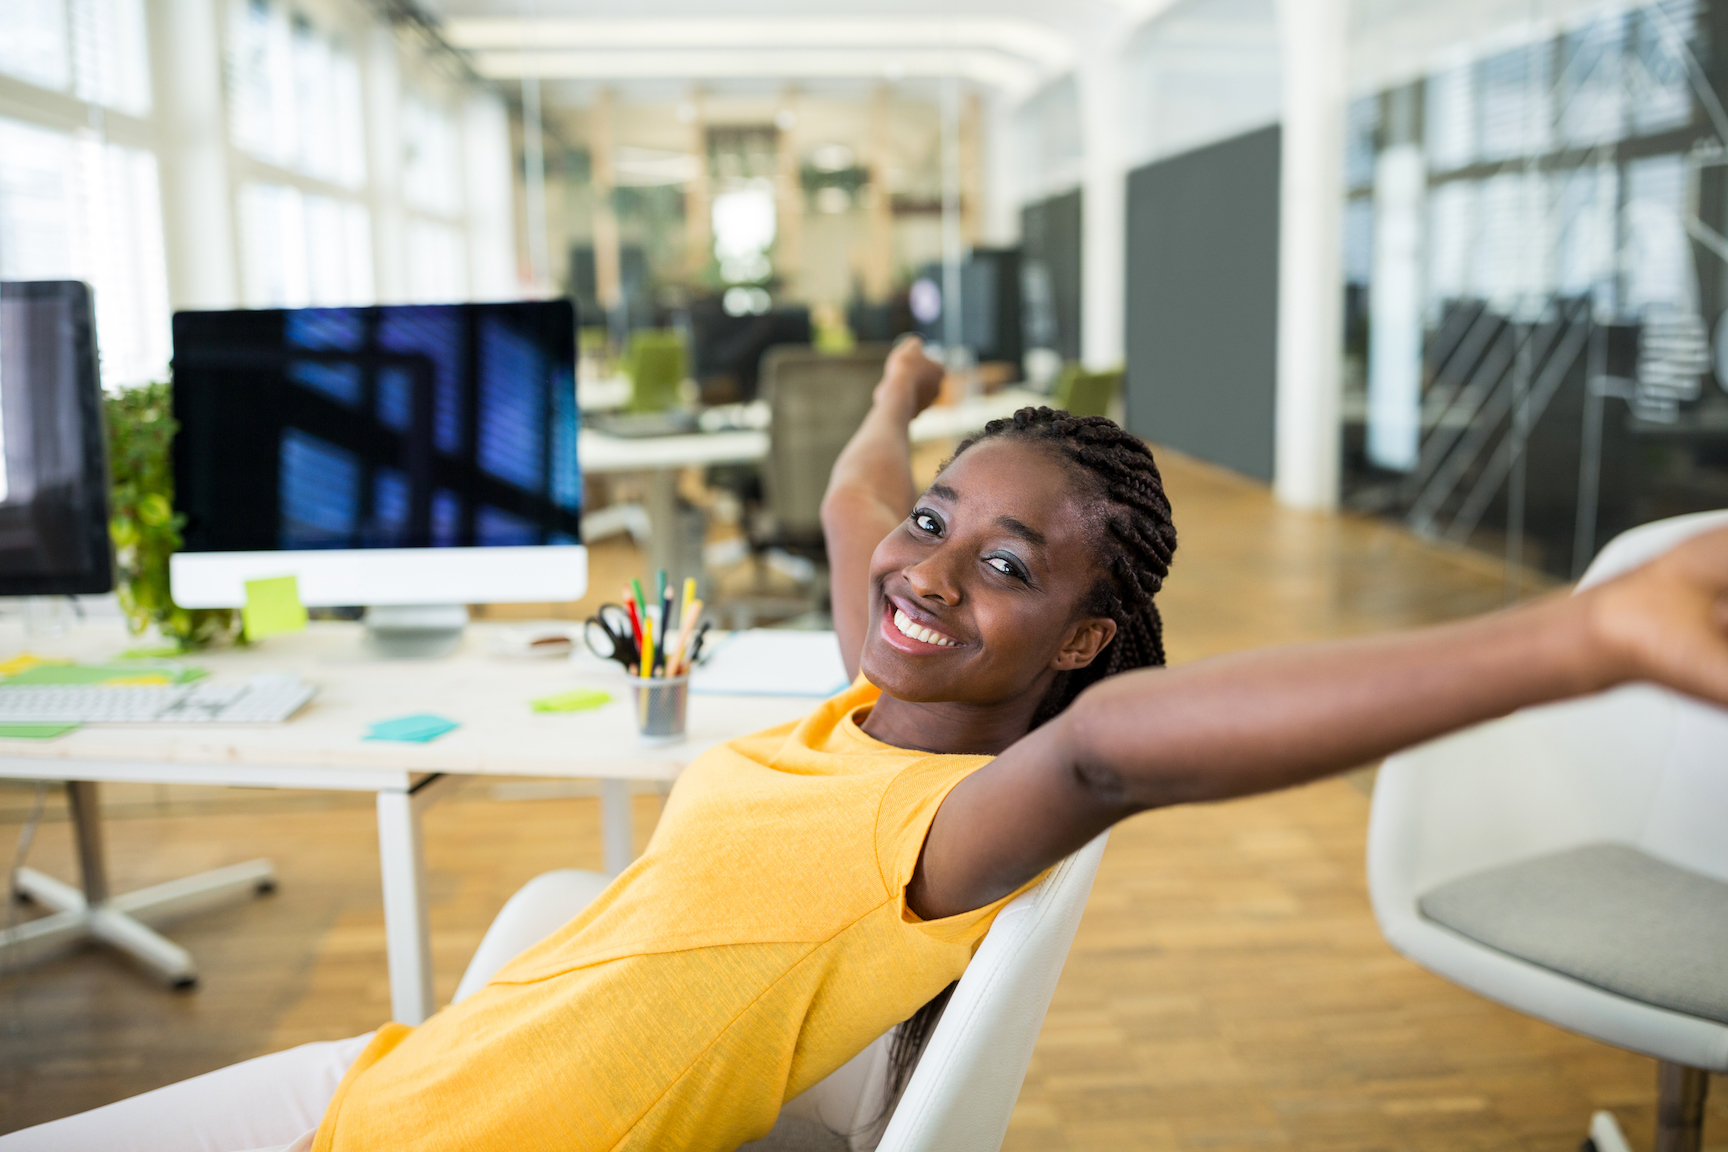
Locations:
{"points": [[1025, 531], [943, 492]]}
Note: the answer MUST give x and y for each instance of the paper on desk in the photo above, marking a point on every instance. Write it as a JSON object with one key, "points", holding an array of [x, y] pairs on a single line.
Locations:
{"points": [[416, 729], [20, 731], [113, 675], [773, 662], [272, 606]]}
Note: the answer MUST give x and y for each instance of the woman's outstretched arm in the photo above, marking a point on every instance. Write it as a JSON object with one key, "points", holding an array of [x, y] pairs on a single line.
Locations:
{"points": [[870, 490], [1264, 720]]}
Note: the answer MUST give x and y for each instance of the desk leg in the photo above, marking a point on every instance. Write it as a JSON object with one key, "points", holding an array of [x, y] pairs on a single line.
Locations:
{"points": [[402, 865], [120, 921], [615, 825]]}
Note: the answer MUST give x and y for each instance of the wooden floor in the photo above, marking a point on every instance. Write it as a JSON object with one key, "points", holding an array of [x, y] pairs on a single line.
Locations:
{"points": [[1227, 990]]}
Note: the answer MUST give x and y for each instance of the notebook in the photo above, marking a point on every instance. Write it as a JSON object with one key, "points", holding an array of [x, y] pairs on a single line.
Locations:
{"points": [[772, 662]]}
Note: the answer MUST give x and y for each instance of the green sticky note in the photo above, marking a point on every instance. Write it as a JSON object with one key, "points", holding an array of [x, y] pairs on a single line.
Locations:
{"points": [[576, 700], [272, 607], [115, 674], [34, 731], [416, 729]]}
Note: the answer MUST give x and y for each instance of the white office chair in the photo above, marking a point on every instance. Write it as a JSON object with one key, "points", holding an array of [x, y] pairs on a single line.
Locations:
{"points": [[1571, 862], [963, 1089]]}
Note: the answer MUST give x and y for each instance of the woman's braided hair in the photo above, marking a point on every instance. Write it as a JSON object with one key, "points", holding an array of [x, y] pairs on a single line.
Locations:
{"points": [[1136, 542], [1136, 538]]}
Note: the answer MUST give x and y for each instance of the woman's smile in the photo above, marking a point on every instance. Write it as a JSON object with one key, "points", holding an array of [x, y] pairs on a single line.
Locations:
{"points": [[908, 635]]}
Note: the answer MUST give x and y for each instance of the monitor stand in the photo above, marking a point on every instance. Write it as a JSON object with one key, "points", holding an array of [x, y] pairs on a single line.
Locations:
{"points": [[414, 631]]}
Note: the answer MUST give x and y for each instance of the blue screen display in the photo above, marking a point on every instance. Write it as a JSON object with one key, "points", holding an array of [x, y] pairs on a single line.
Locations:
{"points": [[393, 427]]}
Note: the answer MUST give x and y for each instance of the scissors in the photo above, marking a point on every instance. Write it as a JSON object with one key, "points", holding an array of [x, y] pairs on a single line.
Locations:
{"points": [[620, 635]]}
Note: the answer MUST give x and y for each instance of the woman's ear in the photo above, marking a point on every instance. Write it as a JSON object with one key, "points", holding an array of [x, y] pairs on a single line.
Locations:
{"points": [[1088, 638]]}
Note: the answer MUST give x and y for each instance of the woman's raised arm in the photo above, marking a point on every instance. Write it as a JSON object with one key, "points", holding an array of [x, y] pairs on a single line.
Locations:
{"points": [[1264, 720], [870, 490]]}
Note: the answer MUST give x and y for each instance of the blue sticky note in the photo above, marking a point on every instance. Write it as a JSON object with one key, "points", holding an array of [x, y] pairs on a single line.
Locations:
{"points": [[416, 729]]}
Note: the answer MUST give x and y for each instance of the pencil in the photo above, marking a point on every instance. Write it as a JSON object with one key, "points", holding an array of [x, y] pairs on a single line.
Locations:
{"points": [[689, 598], [692, 611]]}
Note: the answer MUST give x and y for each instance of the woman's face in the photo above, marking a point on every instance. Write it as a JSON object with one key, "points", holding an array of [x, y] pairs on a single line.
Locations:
{"points": [[977, 594]]}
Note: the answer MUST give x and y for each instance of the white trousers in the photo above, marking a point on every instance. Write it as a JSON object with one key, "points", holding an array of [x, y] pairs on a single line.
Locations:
{"points": [[270, 1104]]}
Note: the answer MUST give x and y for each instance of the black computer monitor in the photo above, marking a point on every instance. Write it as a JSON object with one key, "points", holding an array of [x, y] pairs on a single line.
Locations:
{"points": [[54, 484], [387, 455]]}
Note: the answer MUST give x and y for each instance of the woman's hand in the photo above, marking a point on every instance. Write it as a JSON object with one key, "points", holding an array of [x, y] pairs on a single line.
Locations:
{"points": [[911, 380], [1668, 621]]}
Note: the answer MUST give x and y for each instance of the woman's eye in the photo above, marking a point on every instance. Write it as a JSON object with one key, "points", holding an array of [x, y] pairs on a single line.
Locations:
{"points": [[1005, 567], [926, 522]]}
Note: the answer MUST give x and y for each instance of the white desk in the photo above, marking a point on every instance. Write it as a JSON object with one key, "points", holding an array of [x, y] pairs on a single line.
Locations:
{"points": [[322, 748]]}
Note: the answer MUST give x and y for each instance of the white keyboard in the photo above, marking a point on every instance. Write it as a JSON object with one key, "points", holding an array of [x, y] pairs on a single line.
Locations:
{"points": [[268, 699]]}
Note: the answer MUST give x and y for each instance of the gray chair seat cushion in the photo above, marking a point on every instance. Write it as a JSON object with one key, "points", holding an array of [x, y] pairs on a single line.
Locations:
{"points": [[796, 1134], [1604, 914]]}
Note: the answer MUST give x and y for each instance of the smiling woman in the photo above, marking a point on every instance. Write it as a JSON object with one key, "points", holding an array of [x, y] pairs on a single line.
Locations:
{"points": [[809, 887]]}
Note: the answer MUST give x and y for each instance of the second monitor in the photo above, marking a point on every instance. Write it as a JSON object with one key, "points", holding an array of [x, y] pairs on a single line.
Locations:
{"points": [[386, 456]]}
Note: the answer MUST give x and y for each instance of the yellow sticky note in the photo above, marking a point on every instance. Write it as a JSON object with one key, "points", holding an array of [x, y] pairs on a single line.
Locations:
{"points": [[272, 606]]}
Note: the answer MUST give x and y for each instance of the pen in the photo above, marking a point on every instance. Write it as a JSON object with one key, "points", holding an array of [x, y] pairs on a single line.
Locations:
{"points": [[635, 618], [663, 640], [696, 644]]}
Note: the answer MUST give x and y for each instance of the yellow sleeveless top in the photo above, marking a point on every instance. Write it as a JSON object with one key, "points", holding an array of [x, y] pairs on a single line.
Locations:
{"points": [[760, 942]]}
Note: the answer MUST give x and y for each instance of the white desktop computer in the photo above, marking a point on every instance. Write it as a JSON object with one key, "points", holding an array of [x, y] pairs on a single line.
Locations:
{"points": [[408, 460]]}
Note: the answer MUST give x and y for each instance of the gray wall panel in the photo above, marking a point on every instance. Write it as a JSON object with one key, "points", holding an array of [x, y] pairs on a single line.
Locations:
{"points": [[1202, 329]]}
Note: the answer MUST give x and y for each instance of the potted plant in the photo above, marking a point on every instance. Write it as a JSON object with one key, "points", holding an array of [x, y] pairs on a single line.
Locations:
{"points": [[143, 523]]}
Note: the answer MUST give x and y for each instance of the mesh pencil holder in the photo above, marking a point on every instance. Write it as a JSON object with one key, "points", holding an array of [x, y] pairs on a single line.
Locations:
{"points": [[660, 704]]}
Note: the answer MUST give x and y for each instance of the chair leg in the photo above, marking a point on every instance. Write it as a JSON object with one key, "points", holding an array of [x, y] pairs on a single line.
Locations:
{"points": [[1680, 1093]]}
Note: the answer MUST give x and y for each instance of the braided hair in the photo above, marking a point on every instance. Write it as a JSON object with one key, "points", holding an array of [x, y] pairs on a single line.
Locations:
{"points": [[1135, 546]]}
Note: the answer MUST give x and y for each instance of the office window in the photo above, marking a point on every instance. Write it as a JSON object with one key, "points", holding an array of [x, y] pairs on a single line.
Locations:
{"points": [[437, 263], [1657, 258], [1516, 100], [35, 47], [94, 49], [431, 164], [1659, 86], [1591, 87], [299, 249], [1451, 242], [294, 94], [1584, 249], [79, 209], [1450, 115]]}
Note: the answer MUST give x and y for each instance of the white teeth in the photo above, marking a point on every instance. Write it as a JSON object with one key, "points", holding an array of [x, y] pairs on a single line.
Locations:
{"points": [[918, 632]]}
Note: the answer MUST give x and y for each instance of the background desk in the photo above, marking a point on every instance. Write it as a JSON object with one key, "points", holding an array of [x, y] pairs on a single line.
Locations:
{"points": [[323, 746], [662, 457]]}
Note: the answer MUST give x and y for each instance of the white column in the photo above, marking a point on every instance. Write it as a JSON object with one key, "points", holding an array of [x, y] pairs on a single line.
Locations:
{"points": [[1103, 205], [1310, 272], [191, 112], [1002, 194], [490, 199], [384, 167]]}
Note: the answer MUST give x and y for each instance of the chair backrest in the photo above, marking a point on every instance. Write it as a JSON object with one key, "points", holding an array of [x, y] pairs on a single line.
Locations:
{"points": [[818, 400], [1683, 822], [1085, 393], [1639, 765], [962, 1092], [655, 362]]}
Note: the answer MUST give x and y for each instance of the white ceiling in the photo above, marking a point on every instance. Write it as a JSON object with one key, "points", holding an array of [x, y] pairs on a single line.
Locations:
{"points": [[1009, 46]]}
